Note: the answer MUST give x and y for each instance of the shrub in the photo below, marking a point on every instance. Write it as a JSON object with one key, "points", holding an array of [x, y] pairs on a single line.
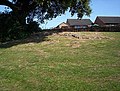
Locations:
{"points": [[33, 27], [11, 29]]}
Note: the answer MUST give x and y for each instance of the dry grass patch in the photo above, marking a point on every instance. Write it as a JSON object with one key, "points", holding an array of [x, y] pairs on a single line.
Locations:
{"points": [[62, 63], [84, 36]]}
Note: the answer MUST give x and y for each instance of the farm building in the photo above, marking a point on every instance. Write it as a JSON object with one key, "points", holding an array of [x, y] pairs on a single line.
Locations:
{"points": [[77, 23], [63, 25], [107, 21]]}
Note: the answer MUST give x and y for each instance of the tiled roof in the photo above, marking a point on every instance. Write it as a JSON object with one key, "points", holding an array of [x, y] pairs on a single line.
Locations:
{"points": [[73, 22], [107, 19]]}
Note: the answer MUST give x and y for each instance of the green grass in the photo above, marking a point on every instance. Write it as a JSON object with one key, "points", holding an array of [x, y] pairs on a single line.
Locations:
{"points": [[62, 64]]}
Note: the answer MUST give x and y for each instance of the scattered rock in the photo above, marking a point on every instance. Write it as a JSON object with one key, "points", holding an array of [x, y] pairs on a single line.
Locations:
{"points": [[87, 36]]}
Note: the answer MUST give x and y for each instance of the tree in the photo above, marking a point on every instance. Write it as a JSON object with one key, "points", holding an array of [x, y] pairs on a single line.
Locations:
{"points": [[27, 10]]}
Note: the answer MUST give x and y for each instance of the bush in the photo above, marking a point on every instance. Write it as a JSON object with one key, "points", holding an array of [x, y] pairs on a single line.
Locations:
{"points": [[11, 29], [33, 27]]}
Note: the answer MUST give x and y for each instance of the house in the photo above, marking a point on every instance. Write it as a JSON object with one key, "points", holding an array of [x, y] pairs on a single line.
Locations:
{"points": [[63, 25], [107, 21], [77, 23]]}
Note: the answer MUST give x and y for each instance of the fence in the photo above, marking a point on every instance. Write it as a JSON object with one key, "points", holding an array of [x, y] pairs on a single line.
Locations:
{"points": [[92, 29]]}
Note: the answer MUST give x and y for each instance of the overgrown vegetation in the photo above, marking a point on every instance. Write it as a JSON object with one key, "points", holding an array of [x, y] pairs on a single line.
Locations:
{"points": [[11, 29], [63, 63]]}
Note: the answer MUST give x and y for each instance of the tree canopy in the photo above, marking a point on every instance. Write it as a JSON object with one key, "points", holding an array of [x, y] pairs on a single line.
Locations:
{"points": [[46, 9], [20, 21]]}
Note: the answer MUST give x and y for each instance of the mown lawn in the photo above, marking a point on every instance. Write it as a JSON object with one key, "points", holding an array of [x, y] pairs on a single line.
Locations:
{"points": [[61, 63]]}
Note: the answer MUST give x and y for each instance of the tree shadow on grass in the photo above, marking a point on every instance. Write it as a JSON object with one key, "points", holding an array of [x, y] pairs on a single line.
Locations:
{"points": [[34, 38]]}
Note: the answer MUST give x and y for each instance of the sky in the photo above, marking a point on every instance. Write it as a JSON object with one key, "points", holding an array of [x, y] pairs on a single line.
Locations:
{"points": [[99, 8]]}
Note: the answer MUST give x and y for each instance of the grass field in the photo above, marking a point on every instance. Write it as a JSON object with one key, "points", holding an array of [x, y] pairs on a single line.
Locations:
{"points": [[61, 63]]}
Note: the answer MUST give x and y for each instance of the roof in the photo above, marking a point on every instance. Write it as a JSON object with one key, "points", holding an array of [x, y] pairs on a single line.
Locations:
{"points": [[109, 19], [73, 22], [62, 23]]}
